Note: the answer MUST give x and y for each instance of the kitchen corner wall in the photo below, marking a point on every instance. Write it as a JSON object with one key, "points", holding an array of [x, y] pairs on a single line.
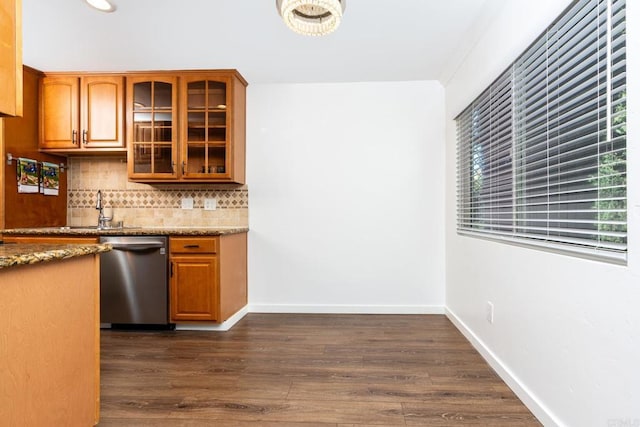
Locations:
{"points": [[347, 201], [145, 205]]}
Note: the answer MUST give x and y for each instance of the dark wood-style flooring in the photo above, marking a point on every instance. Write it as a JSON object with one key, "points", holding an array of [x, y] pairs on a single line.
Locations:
{"points": [[305, 370]]}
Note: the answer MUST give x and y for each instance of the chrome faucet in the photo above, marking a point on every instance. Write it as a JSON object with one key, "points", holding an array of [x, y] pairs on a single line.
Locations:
{"points": [[102, 220]]}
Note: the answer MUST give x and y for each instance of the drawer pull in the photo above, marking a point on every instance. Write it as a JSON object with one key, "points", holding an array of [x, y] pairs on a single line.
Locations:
{"points": [[191, 246]]}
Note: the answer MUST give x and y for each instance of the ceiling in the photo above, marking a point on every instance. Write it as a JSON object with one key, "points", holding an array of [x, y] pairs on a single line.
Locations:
{"points": [[378, 40]]}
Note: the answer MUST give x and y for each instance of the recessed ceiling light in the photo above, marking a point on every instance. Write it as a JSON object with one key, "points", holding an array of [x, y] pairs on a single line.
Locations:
{"points": [[101, 5]]}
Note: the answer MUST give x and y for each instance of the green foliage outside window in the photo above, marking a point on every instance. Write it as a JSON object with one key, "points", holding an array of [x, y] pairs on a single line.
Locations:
{"points": [[612, 180]]}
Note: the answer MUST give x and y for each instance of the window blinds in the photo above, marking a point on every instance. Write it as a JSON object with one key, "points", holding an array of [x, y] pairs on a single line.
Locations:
{"points": [[542, 151], [486, 182]]}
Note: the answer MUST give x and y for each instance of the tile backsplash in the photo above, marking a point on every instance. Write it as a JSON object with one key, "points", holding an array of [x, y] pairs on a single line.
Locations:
{"points": [[148, 205]]}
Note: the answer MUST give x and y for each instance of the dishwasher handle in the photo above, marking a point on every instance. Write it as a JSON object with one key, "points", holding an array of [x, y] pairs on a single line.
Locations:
{"points": [[136, 247]]}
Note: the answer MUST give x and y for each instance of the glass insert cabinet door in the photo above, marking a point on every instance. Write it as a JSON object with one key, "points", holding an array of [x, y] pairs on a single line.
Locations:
{"points": [[152, 129], [206, 121]]}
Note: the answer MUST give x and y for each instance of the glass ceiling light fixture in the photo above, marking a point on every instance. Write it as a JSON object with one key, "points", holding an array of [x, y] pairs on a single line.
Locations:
{"points": [[311, 17], [101, 5]]}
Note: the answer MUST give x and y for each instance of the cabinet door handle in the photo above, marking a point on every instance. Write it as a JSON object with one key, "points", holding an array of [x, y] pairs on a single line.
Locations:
{"points": [[74, 136], [173, 167], [84, 136], [191, 246], [183, 165], [171, 272]]}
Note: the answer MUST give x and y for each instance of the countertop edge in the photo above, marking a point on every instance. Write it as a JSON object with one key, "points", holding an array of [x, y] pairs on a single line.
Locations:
{"points": [[13, 255], [127, 231]]}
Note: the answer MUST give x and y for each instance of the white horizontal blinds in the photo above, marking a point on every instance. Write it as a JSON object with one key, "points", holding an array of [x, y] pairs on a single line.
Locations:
{"points": [[542, 152], [561, 111], [484, 161], [567, 190], [612, 176], [465, 171], [501, 157]]}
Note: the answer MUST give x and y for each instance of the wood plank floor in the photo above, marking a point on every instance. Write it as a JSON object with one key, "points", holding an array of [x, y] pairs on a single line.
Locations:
{"points": [[303, 371]]}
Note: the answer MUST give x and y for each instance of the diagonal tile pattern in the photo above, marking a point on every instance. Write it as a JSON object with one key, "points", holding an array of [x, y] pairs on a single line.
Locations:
{"points": [[157, 198]]}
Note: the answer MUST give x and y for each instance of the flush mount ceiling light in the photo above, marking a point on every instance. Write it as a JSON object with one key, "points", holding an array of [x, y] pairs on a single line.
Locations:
{"points": [[101, 5], [311, 17]]}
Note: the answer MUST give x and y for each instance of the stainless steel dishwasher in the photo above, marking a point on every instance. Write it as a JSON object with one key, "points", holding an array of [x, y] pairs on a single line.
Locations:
{"points": [[133, 281]]}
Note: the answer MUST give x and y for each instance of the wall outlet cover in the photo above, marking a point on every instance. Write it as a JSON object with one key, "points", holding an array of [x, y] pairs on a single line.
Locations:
{"points": [[210, 204], [187, 203], [489, 312]]}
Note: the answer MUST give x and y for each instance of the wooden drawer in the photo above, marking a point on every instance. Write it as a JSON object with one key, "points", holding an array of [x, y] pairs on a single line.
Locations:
{"points": [[193, 245]]}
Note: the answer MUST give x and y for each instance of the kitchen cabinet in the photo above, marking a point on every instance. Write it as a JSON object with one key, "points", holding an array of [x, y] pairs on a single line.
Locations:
{"points": [[187, 126], [193, 285], [82, 114], [208, 277], [50, 353], [11, 58], [152, 104], [212, 127]]}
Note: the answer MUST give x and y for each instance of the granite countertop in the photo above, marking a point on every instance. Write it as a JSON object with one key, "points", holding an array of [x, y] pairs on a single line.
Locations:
{"points": [[21, 254], [126, 231]]}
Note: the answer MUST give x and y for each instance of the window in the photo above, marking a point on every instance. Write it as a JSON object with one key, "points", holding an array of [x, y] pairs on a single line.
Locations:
{"points": [[542, 151]]}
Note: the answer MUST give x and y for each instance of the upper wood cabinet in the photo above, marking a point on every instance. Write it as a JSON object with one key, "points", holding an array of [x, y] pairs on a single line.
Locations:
{"points": [[195, 134], [82, 114], [10, 58], [175, 126], [152, 104], [212, 131], [59, 113]]}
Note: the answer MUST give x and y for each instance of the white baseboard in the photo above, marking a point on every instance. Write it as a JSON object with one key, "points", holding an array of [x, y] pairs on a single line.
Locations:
{"points": [[311, 309], [346, 309], [224, 326], [538, 409]]}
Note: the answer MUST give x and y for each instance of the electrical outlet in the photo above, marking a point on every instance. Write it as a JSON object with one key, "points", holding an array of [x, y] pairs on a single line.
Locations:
{"points": [[187, 203], [209, 204], [489, 312]]}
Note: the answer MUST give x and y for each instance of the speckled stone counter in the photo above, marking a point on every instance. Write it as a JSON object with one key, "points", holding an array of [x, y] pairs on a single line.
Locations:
{"points": [[126, 231], [22, 254]]}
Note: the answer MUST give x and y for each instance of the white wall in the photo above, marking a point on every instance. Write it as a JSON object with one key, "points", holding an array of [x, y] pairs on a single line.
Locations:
{"points": [[346, 197], [566, 334]]}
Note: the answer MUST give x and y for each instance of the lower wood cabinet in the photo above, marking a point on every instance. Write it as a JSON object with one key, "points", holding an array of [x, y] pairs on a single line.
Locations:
{"points": [[50, 343], [193, 287], [208, 277]]}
